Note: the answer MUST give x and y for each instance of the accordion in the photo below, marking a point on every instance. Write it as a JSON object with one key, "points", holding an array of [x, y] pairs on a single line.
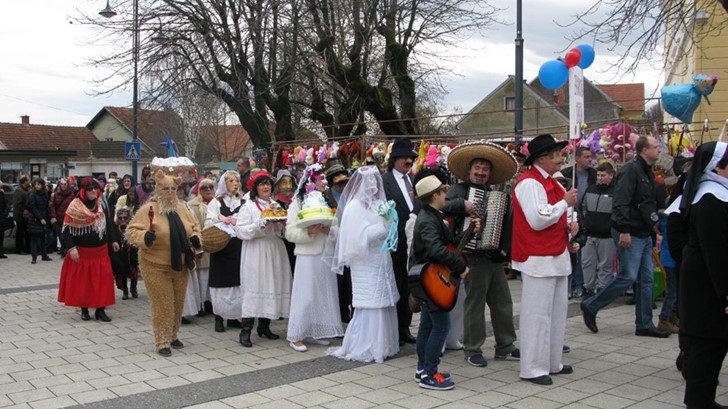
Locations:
{"points": [[495, 211]]}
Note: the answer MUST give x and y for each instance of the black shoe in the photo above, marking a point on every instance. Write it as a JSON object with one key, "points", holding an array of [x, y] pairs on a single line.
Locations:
{"points": [[234, 324], [164, 351], [266, 333], [565, 370], [177, 344], [540, 380], [565, 349], [652, 332], [84, 314], [590, 319], [219, 324], [3, 255], [32, 262], [185, 321], [126, 295], [407, 338], [201, 313], [46, 258], [134, 293], [100, 315]]}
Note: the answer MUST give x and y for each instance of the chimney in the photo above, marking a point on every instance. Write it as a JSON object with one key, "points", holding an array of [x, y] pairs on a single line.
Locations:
{"points": [[25, 119]]}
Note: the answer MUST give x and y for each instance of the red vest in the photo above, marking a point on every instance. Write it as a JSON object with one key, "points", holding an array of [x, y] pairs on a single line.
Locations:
{"points": [[527, 242]]}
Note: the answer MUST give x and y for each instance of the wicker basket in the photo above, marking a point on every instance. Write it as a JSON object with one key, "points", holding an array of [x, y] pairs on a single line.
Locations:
{"points": [[214, 239]]}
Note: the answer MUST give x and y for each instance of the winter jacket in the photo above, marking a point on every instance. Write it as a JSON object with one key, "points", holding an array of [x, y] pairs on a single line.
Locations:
{"points": [[596, 211], [634, 208], [40, 209]]}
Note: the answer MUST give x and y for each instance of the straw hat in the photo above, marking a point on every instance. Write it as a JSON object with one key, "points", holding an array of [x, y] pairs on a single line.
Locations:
{"points": [[427, 186], [504, 164], [214, 239]]}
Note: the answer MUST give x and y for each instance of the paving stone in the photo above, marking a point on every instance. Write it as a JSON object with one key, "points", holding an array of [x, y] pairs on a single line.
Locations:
{"points": [[53, 403]]}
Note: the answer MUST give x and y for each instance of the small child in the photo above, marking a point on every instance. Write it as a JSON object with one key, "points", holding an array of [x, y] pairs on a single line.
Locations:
{"points": [[431, 237]]}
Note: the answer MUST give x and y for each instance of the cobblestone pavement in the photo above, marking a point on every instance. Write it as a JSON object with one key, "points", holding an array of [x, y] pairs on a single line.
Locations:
{"points": [[50, 358]]}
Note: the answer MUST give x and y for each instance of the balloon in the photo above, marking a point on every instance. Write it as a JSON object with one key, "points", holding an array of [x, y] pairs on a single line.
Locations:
{"points": [[553, 74], [572, 57], [681, 101], [587, 55], [704, 83]]}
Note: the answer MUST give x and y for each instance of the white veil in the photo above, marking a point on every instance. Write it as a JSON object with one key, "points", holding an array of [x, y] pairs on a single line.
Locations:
{"points": [[222, 190], [347, 240]]}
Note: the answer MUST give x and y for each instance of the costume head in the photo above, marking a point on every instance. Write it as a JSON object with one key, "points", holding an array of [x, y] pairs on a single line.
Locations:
{"points": [[222, 184], [122, 218], [166, 191], [285, 182], [336, 173]]}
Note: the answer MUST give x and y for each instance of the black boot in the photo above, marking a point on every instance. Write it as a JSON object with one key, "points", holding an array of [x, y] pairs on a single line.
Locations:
{"points": [[219, 324], [245, 332], [133, 290], [126, 294], [84, 314], [101, 315], [264, 329]]}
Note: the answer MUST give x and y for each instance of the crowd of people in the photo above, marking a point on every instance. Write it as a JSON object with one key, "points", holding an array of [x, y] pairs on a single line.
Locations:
{"points": [[585, 232]]}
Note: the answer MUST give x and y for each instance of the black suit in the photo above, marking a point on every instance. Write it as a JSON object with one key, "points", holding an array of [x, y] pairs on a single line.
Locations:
{"points": [[399, 257]]}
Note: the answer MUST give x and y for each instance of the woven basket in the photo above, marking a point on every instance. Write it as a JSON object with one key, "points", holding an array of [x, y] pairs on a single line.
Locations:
{"points": [[214, 239]]}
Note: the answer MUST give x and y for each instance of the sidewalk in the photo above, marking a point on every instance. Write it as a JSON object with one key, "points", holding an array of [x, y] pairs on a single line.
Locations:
{"points": [[49, 358]]}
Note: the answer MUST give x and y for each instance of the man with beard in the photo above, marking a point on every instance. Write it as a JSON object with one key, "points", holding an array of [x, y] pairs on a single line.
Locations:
{"points": [[479, 165], [145, 190], [60, 200], [165, 232]]}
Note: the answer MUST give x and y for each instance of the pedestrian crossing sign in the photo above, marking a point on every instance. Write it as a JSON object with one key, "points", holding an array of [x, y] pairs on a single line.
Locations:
{"points": [[133, 150]]}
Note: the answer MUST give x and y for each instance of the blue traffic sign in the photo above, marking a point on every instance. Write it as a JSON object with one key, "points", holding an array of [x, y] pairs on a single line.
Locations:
{"points": [[133, 150]]}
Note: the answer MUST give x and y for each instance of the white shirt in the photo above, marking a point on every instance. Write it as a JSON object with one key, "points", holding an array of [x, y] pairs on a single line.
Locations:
{"points": [[399, 177], [540, 214]]}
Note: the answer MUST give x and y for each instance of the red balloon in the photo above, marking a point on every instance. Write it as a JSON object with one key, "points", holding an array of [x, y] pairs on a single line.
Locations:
{"points": [[573, 57]]}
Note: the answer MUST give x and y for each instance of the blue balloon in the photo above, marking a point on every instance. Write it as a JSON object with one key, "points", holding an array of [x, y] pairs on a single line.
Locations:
{"points": [[681, 101], [553, 74], [587, 55]]}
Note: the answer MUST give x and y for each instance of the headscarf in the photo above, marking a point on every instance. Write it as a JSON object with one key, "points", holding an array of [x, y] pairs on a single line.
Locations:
{"points": [[701, 179], [222, 190], [79, 218]]}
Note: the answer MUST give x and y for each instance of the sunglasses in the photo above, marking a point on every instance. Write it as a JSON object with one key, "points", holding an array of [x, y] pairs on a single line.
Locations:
{"points": [[122, 218], [205, 187]]}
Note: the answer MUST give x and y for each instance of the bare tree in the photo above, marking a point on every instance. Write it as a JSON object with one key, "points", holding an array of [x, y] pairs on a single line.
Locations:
{"points": [[643, 30]]}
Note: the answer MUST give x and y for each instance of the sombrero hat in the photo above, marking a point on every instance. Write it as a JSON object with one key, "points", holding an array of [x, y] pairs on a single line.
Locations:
{"points": [[504, 164]]}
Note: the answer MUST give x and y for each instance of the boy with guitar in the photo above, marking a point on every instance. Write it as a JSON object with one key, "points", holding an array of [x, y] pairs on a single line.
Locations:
{"points": [[440, 270]]}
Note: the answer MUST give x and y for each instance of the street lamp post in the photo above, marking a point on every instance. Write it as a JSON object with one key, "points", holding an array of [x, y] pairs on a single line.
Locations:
{"points": [[108, 12]]}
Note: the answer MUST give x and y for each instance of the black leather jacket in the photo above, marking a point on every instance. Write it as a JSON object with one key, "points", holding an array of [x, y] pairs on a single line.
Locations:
{"points": [[634, 199]]}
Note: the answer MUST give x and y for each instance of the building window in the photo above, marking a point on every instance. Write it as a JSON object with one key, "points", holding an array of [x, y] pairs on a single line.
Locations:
{"points": [[109, 139], [510, 104]]}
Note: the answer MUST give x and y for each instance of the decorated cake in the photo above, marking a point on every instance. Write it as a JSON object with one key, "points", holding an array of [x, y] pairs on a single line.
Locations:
{"points": [[274, 211], [314, 210], [181, 167]]}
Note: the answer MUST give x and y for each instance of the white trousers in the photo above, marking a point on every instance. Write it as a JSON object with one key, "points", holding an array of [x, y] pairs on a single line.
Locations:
{"points": [[542, 324]]}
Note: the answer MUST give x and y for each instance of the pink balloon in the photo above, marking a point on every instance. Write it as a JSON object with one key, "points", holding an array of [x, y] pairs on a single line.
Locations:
{"points": [[573, 57]]}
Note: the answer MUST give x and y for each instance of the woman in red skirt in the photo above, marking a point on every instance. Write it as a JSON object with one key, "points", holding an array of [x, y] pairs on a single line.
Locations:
{"points": [[87, 280]]}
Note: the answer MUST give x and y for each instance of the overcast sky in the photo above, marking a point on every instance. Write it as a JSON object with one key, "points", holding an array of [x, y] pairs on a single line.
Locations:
{"points": [[41, 73]]}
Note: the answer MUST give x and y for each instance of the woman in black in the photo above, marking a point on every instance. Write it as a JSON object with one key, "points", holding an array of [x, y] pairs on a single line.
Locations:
{"points": [[225, 292], [40, 217], [704, 279]]}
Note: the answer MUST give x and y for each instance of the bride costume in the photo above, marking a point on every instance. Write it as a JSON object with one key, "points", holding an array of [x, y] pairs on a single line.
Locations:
{"points": [[357, 235]]}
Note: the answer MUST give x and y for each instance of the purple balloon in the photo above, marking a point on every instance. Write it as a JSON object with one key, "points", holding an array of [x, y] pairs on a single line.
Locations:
{"points": [[587, 55], [553, 74]]}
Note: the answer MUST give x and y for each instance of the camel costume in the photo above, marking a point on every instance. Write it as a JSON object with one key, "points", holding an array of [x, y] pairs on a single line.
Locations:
{"points": [[165, 238]]}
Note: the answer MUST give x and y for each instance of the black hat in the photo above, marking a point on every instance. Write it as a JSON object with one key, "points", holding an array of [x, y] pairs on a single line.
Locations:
{"points": [[540, 145], [333, 168], [403, 147]]}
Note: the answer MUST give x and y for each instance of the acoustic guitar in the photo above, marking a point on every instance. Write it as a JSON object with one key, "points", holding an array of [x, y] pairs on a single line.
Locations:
{"points": [[437, 281]]}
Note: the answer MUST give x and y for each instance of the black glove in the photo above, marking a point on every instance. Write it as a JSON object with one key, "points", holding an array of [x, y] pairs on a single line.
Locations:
{"points": [[149, 238], [195, 241]]}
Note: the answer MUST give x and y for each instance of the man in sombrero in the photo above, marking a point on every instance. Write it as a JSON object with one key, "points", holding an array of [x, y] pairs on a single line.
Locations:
{"points": [[479, 165], [540, 252]]}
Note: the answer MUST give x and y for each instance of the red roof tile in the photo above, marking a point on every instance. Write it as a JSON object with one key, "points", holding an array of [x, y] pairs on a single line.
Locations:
{"points": [[630, 96], [224, 143], [47, 137]]}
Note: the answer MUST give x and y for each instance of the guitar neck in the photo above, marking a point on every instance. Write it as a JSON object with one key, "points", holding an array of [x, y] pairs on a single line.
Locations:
{"points": [[467, 236]]}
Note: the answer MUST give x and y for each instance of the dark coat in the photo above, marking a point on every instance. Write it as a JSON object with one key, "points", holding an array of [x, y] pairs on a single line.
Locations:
{"points": [[634, 199], [393, 192], [3, 214], [596, 211], [40, 209], [20, 202], [704, 271]]}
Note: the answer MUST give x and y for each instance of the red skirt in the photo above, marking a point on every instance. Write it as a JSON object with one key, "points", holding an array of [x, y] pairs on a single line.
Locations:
{"points": [[88, 282]]}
